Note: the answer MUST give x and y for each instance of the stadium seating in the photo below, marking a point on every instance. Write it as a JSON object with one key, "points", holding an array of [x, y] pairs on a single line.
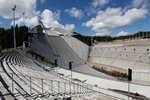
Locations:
{"points": [[67, 49], [135, 57], [22, 78]]}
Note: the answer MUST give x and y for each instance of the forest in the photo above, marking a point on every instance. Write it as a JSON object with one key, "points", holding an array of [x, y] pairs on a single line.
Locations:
{"points": [[6, 36], [89, 40]]}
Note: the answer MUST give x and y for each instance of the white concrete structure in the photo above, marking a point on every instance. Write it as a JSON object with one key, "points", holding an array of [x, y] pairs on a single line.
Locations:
{"points": [[81, 49], [21, 78], [136, 57]]}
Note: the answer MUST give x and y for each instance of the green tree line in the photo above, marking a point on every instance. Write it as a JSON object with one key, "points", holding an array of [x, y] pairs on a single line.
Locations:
{"points": [[6, 36], [92, 39]]}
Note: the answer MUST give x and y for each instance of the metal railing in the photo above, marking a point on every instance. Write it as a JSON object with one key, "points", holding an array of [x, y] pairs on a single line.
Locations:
{"points": [[54, 87], [66, 86]]}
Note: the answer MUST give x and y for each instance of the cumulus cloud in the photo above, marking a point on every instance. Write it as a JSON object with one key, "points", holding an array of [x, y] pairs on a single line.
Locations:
{"points": [[122, 33], [138, 3], [69, 27], [97, 3], [103, 32], [113, 18], [95, 6], [27, 6], [32, 21], [57, 14], [18, 22], [32, 15], [49, 20], [74, 12]]}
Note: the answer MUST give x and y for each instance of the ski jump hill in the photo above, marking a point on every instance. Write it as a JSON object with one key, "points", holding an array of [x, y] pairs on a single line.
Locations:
{"points": [[58, 44]]}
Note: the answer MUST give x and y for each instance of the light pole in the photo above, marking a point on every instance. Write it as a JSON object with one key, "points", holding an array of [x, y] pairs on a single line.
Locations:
{"points": [[56, 65], [129, 80], [146, 35], [91, 41], [14, 26], [70, 68], [23, 18]]}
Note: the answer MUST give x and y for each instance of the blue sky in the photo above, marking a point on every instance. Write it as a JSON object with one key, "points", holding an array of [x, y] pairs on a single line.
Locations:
{"points": [[88, 17]]}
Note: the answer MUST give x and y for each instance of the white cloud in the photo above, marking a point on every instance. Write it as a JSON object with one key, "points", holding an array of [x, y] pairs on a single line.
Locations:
{"points": [[113, 18], [32, 21], [18, 22], [57, 14], [103, 32], [27, 6], [97, 3], [95, 6], [74, 12], [138, 3], [122, 33], [49, 20], [32, 16], [69, 27]]}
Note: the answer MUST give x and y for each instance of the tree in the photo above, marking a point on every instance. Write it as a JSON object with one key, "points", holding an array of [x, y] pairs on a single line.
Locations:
{"points": [[6, 36]]}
